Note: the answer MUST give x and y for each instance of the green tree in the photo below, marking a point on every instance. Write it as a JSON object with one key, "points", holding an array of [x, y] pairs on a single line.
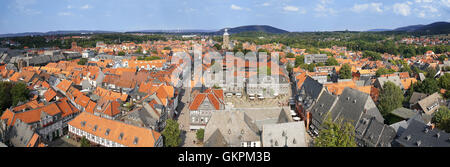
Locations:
{"points": [[391, 97], [372, 55], [332, 62], [218, 46], [299, 60], [340, 134], [139, 50], [345, 72], [85, 142], [200, 134], [444, 81], [121, 53], [171, 134], [382, 71], [290, 55], [82, 61], [5, 96], [431, 72], [442, 119], [20, 93], [428, 86], [289, 67]]}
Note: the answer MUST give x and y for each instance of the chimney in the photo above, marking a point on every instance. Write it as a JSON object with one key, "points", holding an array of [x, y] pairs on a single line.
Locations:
{"points": [[432, 126]]}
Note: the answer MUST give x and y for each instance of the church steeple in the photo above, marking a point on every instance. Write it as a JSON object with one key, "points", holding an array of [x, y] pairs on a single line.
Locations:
{"points": [[226, 40]]}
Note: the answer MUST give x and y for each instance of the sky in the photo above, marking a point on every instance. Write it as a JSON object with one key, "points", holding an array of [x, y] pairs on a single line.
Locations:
{"points": [[291, 15]]}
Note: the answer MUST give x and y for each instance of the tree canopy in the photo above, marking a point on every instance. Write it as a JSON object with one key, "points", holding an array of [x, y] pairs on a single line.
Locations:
{"points": [[336, 134], [383, 71], [82, 61], [391, 97], [442, 119], [345, 72], [171, 134], [332, 62]]}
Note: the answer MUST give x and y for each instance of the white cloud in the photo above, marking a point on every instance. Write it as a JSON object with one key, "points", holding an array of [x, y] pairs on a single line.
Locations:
{"points": [[358, 8], [323, 9], [290, 8], [446, 3], [87, 6], [266, 4], [402, 9], [424, 1], [65, 14], [69, 7], [22, 6], [235, 7]]}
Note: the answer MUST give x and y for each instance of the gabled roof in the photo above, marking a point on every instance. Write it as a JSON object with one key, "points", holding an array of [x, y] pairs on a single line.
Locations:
{"points": [[119, 132], [91, 107], [64, 85], [418, 134], [49, 94], [215, 97], [430, 103]]}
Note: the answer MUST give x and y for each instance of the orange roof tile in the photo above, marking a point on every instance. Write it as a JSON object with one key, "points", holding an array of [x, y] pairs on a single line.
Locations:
{"points": [[49, 94], [64, 85], [90, 107], [146, 137]]}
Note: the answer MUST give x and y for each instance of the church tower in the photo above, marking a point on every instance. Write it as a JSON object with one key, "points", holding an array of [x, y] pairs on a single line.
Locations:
{"points": [[226, 40]]}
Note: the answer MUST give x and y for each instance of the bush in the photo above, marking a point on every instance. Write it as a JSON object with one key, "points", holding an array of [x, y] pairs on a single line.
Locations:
{"points": [[200, 134]]}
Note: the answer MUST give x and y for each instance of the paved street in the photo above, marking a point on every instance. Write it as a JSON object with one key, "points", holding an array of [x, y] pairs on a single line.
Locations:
{"points": [[64, 142], [188, 137]]}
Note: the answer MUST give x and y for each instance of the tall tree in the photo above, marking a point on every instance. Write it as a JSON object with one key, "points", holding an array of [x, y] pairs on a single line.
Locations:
{"points": [[442, 119], [5, 96], [391, 97], [332, 62], [299, 60], [336, 134], [345, 72], [172, 134], [20, 93], [444, 81], [428, 86]]}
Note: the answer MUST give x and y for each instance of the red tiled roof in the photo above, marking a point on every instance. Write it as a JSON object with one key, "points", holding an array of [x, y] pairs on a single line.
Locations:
{"points": [[49, 94], [146, 137], [64, 85]]}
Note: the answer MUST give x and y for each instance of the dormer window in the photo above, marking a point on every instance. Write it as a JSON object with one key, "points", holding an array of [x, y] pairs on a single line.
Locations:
{"points": [[83, 123], [95, 128], [121, 136], [135, 140], [107, 132]]}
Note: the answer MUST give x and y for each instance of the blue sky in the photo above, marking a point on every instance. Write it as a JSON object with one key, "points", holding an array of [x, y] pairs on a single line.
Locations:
{"points": [[292, 15]]}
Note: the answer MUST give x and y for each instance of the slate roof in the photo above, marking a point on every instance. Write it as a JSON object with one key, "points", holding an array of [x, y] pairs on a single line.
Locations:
{"points": [[322, 107], [430, 103], [351, 105], [419, 134], [416, 97], [20, 134], [404, 113], [394, 79], [232, 127], [312, 88], [292, 134]]}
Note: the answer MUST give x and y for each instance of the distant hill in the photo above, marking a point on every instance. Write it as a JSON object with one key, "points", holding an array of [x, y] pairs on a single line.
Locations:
{"points": [[378, 30], [181, 31], [255, 28], [55, 33], [433, 28]]}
